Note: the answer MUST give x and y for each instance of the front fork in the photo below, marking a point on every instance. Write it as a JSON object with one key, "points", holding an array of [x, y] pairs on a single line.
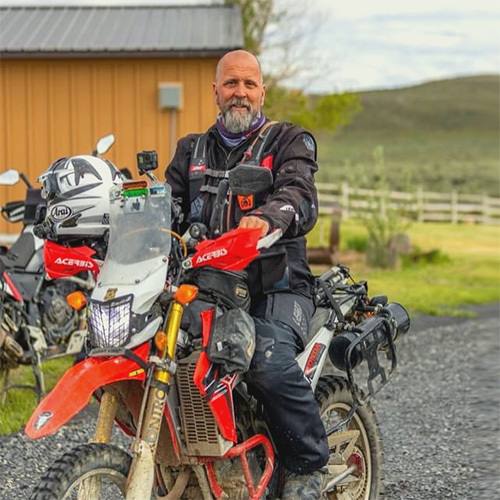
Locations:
{"points": [[107, 412], [141, 475]]}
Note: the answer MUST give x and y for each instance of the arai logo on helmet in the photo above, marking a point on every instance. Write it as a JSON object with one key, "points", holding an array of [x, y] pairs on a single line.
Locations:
{"points": [[60, 212], [211, 255]]}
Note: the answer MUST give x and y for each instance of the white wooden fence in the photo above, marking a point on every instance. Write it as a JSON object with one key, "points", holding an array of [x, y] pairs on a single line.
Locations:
{"points": [[421, 205]]}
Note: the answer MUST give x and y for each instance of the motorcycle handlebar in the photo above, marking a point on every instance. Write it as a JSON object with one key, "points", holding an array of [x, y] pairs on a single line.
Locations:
{"points": [[197, 232], [25, 180]]}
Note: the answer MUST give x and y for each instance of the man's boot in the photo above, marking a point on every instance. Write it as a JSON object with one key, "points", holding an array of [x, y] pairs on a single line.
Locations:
{"points": [[304, 486]]}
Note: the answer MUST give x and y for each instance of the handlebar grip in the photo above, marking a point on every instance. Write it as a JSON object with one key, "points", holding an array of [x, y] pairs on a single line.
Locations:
{"points": [[197, 231]]}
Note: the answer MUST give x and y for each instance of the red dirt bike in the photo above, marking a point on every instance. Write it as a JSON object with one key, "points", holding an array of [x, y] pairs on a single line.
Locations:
{"points": [[198, 433]]}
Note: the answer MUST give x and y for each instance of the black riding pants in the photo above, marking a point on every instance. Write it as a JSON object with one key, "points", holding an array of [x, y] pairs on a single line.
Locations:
{"points": [[279, 383]]}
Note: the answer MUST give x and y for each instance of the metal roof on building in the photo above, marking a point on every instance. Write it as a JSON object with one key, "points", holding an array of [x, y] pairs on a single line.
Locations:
{"points": [[123, 31]]}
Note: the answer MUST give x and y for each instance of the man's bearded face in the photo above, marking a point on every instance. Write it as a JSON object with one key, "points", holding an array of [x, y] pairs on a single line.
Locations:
{"points": [[239, 91], [238, 115]]}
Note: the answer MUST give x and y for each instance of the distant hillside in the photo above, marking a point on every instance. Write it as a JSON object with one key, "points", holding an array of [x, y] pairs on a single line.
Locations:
{"points": [[443, 135], [447, 105]]}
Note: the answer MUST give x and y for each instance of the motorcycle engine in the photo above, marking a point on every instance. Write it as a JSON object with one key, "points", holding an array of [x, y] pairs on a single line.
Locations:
{"points": [[12, 337], [58, 318]]}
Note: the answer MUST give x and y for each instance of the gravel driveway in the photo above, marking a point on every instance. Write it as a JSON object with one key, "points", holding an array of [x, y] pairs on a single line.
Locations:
{"points": [[439, 418]]}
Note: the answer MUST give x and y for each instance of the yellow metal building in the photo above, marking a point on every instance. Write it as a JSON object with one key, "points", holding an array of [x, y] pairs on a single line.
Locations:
{"points": [[69, 75]]}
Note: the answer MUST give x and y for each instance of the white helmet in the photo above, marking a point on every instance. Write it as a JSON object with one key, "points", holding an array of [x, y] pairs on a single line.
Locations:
{"points": [[77, 194]]}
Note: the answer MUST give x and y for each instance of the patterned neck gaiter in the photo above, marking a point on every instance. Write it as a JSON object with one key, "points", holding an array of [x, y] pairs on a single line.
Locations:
{"points": [[233, 140]]}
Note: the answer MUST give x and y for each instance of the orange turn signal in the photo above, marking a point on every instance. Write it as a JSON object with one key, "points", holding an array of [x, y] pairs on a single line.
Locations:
{"points": [[161, 341], [186, 294], [76, 300]]}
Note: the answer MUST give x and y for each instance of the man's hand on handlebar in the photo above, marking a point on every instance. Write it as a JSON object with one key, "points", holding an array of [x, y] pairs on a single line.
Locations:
{"points": [[252, 221]]}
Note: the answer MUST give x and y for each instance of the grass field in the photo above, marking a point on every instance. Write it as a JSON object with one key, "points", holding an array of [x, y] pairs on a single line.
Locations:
{"points": [[441, 135], [21, 403], [471, 276]]}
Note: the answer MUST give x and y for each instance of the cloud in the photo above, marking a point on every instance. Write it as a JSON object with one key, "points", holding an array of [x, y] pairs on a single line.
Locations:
{"points": [[358, 9], [401, 49], [361, 44]]}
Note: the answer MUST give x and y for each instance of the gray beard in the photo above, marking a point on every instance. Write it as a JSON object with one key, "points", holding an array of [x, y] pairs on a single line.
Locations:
{"points": [[237, 122]]}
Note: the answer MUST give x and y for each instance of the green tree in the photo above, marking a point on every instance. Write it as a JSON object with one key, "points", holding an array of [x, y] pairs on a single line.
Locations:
{"points": [[325, 112], [256, 15]]}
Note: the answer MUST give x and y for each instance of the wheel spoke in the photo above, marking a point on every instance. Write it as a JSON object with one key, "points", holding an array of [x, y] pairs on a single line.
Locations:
{"points": [[89, 489]]}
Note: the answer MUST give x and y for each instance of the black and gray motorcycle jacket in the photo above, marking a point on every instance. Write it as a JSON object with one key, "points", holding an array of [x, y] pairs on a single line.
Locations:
{"points": [[199, 164]]}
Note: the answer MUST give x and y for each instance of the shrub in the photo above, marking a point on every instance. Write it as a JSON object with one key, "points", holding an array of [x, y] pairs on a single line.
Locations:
{"points": [[358, 243], [420, 258], [382, 221]]}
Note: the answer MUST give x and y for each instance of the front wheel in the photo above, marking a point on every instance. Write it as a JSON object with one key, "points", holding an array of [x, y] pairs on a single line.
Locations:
{"points": [[89, 472], [362, 447]]}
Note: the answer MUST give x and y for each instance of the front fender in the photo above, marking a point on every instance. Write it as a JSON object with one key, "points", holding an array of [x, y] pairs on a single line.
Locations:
{"points": [[75, 388]]}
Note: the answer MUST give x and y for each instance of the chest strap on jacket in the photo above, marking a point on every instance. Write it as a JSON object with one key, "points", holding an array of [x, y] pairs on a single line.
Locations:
{"points": [[248, 156], [198, 166], [218, 174], [198, 169], [209, 189]]}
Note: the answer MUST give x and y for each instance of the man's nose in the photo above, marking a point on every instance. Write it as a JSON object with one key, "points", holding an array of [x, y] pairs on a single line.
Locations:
{"points": [[241, 90]]}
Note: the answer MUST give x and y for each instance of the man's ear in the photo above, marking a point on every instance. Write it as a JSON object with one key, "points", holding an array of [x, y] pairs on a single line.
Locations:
{"points": [[263, 98], [216, 93]]}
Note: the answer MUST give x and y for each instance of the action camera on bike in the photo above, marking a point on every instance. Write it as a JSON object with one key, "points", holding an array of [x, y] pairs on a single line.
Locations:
{"points": [[147, 161]]}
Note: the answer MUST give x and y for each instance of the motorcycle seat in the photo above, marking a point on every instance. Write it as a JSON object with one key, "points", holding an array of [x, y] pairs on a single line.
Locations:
{"points": [[20, 253]]}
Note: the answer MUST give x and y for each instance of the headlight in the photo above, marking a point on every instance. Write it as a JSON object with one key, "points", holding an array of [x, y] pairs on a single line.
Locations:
{"points": [[109, 322]]}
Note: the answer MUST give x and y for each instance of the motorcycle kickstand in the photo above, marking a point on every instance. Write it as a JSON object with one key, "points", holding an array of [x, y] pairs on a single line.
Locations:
{"points": [[5, 386], [39, 378]]}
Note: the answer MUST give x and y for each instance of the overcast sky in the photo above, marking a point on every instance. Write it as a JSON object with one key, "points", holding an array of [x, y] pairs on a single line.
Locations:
{"points": [[385, 43]]}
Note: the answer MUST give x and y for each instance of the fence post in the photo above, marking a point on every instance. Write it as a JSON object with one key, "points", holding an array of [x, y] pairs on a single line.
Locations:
{"points": [[485, 209], [454, 207], [345, 199], [420, 204], [383, 205]]}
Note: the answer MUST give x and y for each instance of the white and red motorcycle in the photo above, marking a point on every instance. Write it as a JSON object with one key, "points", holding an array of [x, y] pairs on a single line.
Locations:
{"points": [[198, 433]]}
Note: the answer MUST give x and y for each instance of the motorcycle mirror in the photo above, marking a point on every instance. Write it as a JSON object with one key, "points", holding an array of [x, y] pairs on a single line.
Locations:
{"points": [[104, 143], [9, 177], [248, 179]]}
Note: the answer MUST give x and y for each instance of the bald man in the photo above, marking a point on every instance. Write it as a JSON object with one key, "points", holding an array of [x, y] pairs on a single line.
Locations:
{"points": [[279, 280]]}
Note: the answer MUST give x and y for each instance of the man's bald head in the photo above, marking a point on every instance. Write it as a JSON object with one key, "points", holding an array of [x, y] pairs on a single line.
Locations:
{"points": [[238, 57]]}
